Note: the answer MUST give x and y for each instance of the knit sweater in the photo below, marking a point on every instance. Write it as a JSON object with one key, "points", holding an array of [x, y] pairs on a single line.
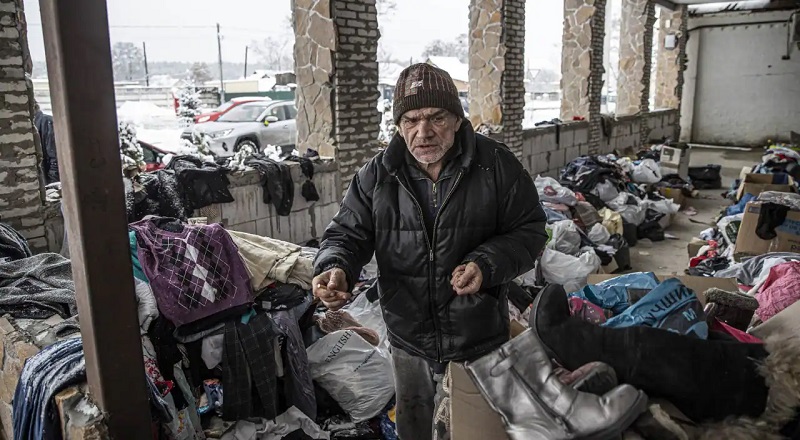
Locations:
{"points": [[194, 273]]}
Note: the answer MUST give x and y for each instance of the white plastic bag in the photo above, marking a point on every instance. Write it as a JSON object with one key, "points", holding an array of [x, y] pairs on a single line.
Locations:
{"points": [[665, 206], [551, 191], [565, 237], [647, 171], [606, 191], [369, 315], [634, 214], [571, 272], [599, 234], [356, 374]]}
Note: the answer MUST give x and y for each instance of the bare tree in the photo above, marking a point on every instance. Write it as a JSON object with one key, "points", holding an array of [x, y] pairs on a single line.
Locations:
{"points": [[200, 73], [128, 61], [458, 48]]}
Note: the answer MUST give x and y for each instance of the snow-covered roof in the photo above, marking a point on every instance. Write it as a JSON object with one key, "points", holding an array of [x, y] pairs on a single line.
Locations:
{"points": [[458, 71], [389, 72]]}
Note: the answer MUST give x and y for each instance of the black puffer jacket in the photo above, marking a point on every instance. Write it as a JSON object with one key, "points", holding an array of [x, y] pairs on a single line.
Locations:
{"points": [[491, 217]]}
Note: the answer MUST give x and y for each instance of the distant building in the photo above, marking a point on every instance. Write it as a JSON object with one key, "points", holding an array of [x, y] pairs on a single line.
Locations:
{"points": [[458, 71], [258, 81]]}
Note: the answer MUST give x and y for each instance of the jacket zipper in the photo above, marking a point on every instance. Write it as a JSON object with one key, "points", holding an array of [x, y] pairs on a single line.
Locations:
{"points": [[431, 304], [435, 224]]}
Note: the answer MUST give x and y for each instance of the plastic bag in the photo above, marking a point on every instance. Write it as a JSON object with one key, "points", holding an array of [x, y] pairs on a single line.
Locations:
{"points": [[614, 294], [612, 221], [631, 213], [599, 234], [607, 191], [647, 171], [670, 306], [369, 315], [551, 191], [565, 237], [356, 374], [665, 206], [571, 272]]}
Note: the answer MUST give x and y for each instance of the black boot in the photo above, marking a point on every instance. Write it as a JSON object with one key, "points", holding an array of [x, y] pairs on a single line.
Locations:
{"points": [[706, 380], [732, 308]]}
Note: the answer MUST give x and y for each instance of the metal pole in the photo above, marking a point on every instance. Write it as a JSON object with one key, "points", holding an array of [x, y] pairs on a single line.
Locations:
{"points": [[221, 80], [76, 42], [146, 70], [246, 48]]}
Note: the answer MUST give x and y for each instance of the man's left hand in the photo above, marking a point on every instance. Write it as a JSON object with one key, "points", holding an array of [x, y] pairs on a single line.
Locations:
{"points": [[467, 279]]}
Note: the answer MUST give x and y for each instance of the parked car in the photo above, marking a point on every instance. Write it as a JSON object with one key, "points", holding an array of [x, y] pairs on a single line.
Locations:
{"points": [[256, 124], [226, 107], [153, 156]]}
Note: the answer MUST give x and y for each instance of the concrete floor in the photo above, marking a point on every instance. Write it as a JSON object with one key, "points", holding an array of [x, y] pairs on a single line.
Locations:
{"points": [[670, 257]]}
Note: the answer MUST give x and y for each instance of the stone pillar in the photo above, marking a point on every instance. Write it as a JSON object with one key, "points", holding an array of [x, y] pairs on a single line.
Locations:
{"points": [[314, 48], [635, 57], [582, 64], [671, 63], [356, 85], [336, 44], [21, 184], [496, 68]]}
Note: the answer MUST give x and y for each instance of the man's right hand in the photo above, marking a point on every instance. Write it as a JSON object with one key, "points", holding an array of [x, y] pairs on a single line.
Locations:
{"points": [[331, 288]]}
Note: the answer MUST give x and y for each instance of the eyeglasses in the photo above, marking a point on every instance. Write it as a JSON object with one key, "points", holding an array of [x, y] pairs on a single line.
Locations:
{"points": [[437, 120]]}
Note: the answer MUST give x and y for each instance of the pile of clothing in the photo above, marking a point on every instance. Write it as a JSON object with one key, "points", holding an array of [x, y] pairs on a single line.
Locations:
{"points": [[653, 362], [234, 344], [599, 207], [189, 183]]}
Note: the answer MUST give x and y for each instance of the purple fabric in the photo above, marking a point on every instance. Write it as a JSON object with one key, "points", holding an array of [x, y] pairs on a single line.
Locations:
{"points": [[194, 273]]}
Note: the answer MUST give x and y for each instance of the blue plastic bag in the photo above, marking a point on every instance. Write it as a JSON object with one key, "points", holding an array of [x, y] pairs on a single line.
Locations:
{"points": [[613, 294], [670, 306]]}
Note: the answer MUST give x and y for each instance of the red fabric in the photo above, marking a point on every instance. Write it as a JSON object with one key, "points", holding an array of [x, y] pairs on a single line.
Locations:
{"points": [[780, 290], [719, 326], [696, 260]]}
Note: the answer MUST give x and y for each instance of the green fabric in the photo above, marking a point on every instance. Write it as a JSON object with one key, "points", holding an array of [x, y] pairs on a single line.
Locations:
{"points": [[137, 267]]}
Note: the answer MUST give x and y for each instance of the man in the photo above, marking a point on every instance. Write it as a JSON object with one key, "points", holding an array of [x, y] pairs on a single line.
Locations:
{"points": [[452, 218], [47, 136]]}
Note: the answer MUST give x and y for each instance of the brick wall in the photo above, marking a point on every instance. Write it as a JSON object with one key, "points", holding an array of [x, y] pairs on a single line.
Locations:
{"points": [[597, 71], [635, 50], [513, 88], [356, 85], [545, 152], [21, 190]]}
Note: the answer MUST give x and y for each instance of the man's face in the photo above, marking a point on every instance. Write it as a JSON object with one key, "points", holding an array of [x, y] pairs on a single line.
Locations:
{"points": [[429, 133]]}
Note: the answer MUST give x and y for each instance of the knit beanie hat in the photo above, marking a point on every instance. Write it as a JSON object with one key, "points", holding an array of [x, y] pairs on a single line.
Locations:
{"points": [[422, 86]]}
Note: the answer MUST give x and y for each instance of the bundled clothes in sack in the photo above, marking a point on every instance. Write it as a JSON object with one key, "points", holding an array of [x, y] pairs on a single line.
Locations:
{"points": [[195, 271], [13, 245], [670, 306], [201, 183], [619, 293]]}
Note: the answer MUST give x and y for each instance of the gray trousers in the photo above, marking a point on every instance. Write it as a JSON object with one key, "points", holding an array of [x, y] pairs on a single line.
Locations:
{"points": [[418, 391]]}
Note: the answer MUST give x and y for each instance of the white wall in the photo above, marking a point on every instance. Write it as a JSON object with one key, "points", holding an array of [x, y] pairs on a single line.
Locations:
{"points": [[738, 89]]}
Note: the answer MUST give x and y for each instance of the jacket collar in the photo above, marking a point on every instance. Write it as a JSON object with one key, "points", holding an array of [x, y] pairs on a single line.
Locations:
{"points": [[394, 158]]}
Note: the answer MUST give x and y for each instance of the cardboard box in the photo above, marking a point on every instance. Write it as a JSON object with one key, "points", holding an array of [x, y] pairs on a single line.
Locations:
{"points": [[755, 184], [471, 417], [749, 243], [694, 246], [676, 194]]}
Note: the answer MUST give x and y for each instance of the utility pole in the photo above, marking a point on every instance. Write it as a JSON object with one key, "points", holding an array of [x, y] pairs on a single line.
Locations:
{"points": [[146, 70], [246, 48], [221, 80]]}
